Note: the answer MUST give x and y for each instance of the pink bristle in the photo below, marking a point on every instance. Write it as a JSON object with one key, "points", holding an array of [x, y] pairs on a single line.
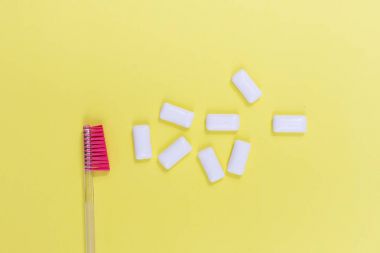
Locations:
{"points": [[95, 150]]}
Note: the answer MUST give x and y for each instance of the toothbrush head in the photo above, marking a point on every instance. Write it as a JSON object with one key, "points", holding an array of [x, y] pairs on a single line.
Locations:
{"points": [[95, 150]]}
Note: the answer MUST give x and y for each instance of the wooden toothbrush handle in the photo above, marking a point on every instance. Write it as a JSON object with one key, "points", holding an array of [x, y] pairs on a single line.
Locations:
{"points": [[89, 211]]}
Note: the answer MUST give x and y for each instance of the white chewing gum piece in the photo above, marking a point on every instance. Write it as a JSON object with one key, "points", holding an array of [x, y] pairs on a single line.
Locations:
{"points": [[174, 153], [176, 115], [239, 157], [142, 143], [289, 124], [223, 122], [246, 86], [210, 164]]}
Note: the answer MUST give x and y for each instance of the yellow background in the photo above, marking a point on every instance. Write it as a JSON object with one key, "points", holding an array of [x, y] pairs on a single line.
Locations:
{"points": [[67, 63]]}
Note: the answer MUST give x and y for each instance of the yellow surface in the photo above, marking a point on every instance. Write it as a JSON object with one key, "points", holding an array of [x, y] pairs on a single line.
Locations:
{"points": [[66, 63]]}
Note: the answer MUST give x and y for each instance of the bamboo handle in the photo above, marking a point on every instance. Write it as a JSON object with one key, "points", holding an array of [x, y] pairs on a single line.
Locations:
{"points": [[89, 211]]}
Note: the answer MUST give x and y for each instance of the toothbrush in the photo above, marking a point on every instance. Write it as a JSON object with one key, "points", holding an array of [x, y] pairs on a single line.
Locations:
{"points": [[95, 159]]}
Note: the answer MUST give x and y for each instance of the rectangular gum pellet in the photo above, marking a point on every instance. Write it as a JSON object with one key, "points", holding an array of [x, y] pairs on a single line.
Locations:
{"points": [[246, 86], [239, 157], [174, 153], [176, 115], [289, 123], [223, 122], [142, 143], [210, 164]]}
